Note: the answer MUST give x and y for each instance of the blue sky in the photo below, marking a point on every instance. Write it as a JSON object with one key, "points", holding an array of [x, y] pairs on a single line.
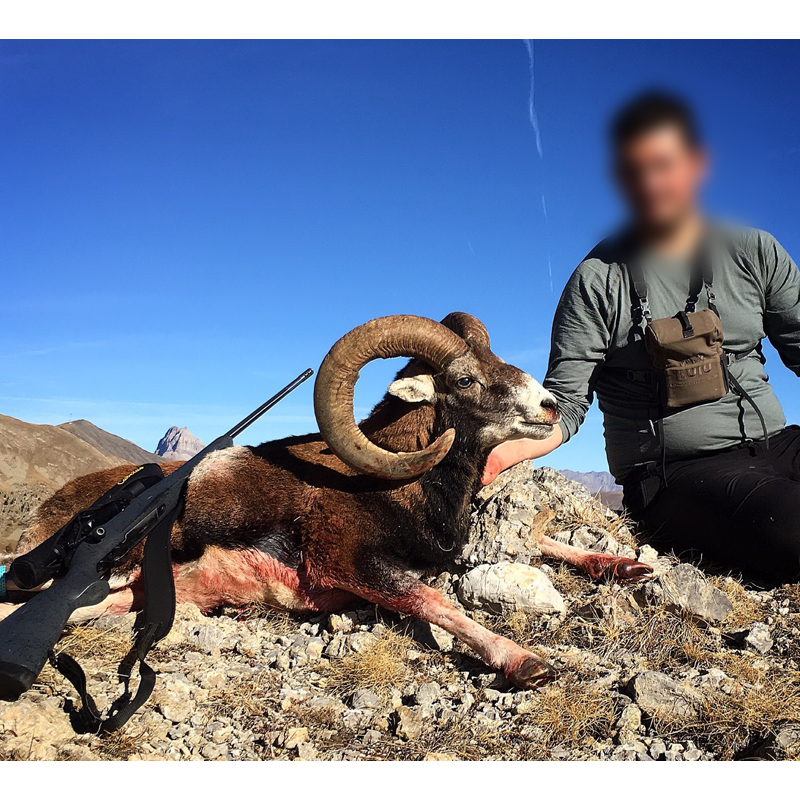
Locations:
{"points": [[187, 225]]}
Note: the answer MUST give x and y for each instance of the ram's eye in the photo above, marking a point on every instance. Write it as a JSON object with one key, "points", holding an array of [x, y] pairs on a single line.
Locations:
{"points": [[464, 383]]}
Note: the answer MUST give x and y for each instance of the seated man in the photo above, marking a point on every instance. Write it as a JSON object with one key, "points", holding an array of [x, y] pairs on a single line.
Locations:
{"points": [[717, 476]]}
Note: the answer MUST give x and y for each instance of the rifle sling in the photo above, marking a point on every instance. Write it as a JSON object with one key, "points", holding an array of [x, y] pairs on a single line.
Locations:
{"points": [[152, 624]]}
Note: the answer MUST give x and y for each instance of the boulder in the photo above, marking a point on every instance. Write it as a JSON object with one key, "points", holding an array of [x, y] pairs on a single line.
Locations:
{"points": [[409, 723], [758, 638], [365, 698], [659, 695], [295, 737], [507, 587], [427, 694], [629, 723], [173, 697], [685, 588], [783, 743]]}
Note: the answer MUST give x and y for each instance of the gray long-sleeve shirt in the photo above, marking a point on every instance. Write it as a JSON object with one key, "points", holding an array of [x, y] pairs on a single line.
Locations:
{"points": [[757, 287]]}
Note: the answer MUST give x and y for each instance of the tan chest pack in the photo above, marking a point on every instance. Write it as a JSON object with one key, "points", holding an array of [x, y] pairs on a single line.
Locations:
{"points": [[686, 350], [687, 354]]}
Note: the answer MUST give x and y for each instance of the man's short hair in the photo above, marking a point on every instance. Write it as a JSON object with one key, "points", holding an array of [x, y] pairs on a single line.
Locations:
{"points": [[651, 110]]}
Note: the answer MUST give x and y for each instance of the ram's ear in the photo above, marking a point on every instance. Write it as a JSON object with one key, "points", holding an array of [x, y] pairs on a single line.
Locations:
{"points": [[415, 389]]}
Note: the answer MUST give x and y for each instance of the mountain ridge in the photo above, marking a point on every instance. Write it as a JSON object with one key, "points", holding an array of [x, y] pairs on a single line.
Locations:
{"points": [[109, 443], [596, 481]]}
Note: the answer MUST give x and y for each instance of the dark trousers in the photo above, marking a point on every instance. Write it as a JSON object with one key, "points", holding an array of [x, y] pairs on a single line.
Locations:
{"points": [[739, 510]]}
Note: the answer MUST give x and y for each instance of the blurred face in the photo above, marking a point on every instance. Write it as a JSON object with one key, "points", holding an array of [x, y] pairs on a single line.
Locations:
{"points": [[660, 175]]}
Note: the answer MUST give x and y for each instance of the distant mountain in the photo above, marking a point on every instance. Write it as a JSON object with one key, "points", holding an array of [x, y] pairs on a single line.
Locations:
{"points": [[35, 460], [108, 443], [178, 444], [593, 481], [599, 483], [612, 500]]}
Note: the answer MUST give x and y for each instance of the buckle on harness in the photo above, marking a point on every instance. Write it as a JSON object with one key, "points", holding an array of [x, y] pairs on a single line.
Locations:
{"points": [[638, 375]]}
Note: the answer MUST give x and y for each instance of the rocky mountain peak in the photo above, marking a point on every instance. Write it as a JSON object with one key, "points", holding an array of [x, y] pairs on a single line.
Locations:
{"points": [[178, 444]]}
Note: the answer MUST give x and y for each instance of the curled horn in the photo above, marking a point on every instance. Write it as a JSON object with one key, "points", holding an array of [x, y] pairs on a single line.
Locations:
{"points": [[385, 337], [469, 328]]}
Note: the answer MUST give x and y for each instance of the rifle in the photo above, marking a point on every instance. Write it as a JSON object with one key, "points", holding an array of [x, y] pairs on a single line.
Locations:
{"points": [[84, 552]]}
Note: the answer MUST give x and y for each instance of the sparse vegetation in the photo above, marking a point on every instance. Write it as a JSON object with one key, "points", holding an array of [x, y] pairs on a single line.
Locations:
{"points": [[381, 666]]}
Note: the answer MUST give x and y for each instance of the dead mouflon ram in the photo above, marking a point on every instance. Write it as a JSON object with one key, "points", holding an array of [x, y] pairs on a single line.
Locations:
{"points": [[313, 523]]}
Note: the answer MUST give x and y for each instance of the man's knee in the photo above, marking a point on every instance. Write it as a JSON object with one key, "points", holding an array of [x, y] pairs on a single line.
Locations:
{"points": [[769, 530]]}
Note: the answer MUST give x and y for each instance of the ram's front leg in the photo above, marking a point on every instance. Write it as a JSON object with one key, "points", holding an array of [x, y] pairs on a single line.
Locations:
{"points": [[596, 565], [400, 592]]}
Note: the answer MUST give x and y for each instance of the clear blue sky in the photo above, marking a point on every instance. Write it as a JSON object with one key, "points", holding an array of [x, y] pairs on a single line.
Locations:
{"points": [[187, 225]]}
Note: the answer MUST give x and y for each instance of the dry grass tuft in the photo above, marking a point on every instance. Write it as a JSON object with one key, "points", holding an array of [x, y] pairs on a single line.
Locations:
{"points": [[571, 714], [116, 746], [659, 639], [746, 610], [110, 644], [277, 622], [567, 713], [593, 515], [465, 739], [380, 667], [242, 698], [568, 580], [791, 592]]}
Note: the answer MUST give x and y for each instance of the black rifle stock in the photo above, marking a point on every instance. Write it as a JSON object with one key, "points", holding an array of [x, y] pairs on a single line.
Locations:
{"points": [[29, 634]]}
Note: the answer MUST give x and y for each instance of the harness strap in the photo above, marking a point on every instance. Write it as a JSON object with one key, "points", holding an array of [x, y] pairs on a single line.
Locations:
{"points": [[644, 376], [740, 390], [153, 624], [702, 276], [640, 288]]}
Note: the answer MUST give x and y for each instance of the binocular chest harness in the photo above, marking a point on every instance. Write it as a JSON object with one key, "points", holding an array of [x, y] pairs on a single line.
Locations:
{"points": [[690, 363]]}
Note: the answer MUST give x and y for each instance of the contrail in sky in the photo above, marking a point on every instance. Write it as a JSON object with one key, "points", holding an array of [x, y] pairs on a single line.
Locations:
{"points": [[534, 120], [531, 105]]}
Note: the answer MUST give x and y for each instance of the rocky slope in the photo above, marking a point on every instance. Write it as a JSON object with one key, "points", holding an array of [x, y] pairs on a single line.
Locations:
{"points": [[683, 667], [109, 444], [178, 444]]}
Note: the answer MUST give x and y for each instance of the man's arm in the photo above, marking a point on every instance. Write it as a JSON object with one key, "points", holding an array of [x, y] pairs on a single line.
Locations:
{"points": [[580, 340], [509, 453], [782, 309]]}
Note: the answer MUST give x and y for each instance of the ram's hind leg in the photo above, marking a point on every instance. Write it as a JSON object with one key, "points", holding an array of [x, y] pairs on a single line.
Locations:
{"points": [[400, 592]]}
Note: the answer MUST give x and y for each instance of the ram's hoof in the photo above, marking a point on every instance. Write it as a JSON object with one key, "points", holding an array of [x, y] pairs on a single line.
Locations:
{"points": [[532, 672], [624, 569], [631, 570]]}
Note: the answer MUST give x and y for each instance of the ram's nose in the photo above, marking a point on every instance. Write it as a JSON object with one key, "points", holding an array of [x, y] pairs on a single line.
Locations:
{"points": [[550, 410]]}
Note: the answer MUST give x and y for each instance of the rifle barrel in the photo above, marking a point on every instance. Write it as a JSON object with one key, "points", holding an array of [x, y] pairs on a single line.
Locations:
{"points": [[274, 400]]}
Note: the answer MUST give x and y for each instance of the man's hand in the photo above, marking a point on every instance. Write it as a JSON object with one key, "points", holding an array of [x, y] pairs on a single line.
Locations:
{"points": [[505, 455], [508, 454]]}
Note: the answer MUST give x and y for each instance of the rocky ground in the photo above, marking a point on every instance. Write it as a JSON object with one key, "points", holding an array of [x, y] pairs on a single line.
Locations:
{"points": [[683, 667]]}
